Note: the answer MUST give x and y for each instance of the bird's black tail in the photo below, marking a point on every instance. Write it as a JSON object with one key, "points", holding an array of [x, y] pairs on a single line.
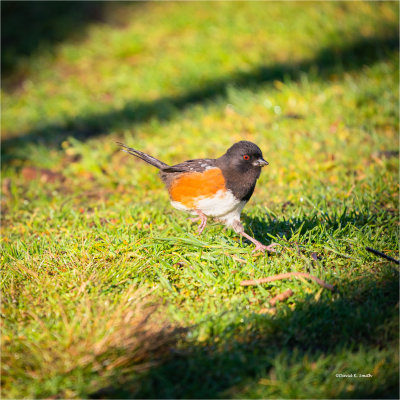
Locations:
{"points": [[145, 157]]}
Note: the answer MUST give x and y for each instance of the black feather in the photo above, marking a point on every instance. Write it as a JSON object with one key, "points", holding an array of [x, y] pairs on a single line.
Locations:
{"points": [[143, 156]]}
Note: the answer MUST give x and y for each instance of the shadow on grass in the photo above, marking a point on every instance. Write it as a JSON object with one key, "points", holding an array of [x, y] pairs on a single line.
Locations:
{"points": [[342, 330], [31, 26], [334, 60], [262, 226]]}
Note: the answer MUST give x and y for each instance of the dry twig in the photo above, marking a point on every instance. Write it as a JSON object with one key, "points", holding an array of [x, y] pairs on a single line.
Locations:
{"points": [[253, 282], [383, 255], [281, 296]]}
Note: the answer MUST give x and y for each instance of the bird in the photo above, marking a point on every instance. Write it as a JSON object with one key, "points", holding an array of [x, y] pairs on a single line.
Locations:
{"points": [[217, 188]]}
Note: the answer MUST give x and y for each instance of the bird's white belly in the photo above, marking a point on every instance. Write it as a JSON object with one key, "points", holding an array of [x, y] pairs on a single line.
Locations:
{"points": [[223, 205]]}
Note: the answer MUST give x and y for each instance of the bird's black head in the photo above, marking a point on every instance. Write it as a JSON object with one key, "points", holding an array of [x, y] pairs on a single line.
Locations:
{"points": [[244, 157], [241, 167]]}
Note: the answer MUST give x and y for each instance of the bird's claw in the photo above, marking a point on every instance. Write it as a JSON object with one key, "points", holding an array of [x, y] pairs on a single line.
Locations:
{"points": [[263, 248]]}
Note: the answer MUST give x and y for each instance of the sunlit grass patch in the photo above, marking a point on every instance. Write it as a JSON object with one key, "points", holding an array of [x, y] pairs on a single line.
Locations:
{"points": [[61, 343]]}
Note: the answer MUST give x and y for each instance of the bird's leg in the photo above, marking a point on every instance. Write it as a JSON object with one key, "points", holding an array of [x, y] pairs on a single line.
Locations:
{"points": [[203, 220], [238, 228]]}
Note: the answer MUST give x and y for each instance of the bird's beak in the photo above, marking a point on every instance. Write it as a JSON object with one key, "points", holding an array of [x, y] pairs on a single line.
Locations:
{"points": [[260, 163]]}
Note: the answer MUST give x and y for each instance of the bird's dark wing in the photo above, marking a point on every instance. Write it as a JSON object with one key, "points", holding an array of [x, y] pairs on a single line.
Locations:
{"points": [[191, 166]]}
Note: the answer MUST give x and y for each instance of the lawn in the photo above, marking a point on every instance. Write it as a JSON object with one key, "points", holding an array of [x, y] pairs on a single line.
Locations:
{"points": [[107, 291]]}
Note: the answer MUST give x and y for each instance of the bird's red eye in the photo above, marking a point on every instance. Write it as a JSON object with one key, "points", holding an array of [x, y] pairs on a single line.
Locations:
{"points": [[246, 157]]}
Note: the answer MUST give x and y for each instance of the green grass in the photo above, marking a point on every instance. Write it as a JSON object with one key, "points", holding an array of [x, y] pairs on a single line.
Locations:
{"points": [[107, 292]]}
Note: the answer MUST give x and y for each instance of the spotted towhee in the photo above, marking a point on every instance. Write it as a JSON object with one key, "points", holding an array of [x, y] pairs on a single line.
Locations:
{"points": [[217, 188]]}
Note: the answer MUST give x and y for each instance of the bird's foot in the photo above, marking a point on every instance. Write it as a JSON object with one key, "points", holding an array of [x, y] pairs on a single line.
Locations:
{"points": [[203, 221], [259, 246], [263, 248]]}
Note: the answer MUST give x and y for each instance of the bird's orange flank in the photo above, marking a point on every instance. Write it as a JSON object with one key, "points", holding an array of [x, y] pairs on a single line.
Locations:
{"points": [[187, 188]]}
